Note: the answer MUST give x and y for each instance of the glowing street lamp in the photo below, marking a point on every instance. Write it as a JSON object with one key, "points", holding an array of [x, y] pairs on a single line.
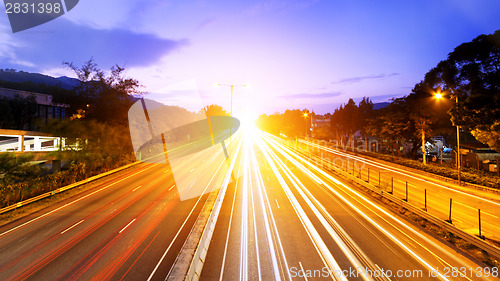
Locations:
{"points": [[439, 96]]}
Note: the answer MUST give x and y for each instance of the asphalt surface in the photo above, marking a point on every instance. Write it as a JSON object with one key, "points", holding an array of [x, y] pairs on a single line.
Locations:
{"points": [[288, 220], [284, 219], [130, 227], [466, 201]]}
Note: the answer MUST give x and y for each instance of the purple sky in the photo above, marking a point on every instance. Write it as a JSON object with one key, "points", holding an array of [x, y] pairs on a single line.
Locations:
{"points": [[292, 54]]}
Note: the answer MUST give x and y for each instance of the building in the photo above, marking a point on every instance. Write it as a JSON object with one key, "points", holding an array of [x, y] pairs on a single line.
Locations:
{"points": [[478, 155], [45, 108]]}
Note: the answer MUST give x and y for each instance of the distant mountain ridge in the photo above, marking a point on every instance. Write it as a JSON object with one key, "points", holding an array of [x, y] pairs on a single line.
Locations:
{"points": [[11, 75]]}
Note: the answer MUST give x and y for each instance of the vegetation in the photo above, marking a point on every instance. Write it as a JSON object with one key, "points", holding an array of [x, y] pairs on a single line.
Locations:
{"points": [[469, 83], [97, 133]]}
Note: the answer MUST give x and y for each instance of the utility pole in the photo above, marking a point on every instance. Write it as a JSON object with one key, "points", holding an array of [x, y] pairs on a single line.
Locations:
{"points": [[232, 86]]}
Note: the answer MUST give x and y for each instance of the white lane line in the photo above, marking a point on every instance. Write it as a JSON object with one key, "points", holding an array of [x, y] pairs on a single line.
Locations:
{"points": [[70, 203], [244, 220], [315, 237], [256, 238], [137, 188], [324, 217], [277, 203], [302, 268], [482, 212], [185, 221], [72, 226], [229, 227], [192, 170], [405, 173], [166, 171], [267, 178], [332, 179], [171, 187], [126, 226]]}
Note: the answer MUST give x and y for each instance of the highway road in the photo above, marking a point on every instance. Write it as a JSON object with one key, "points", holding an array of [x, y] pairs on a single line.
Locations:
{"points": [[286, 219], [465, 200], [128, 227]]}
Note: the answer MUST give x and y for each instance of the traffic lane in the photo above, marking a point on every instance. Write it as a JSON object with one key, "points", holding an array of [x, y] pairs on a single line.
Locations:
{"points": [[464, 208], [227, 264], [40, 250], [406, 174], [304, 240], [225, 244], [437, 202], [368, 243], [54, 219], [148, 178]]}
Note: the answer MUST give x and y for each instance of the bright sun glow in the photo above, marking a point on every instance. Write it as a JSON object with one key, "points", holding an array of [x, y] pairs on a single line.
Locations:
{"points": [[247, 119]]}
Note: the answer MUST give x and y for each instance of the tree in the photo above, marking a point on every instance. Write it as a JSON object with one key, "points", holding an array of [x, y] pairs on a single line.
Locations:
{"points": [[104, 98], [471, 73], [215, 110]]}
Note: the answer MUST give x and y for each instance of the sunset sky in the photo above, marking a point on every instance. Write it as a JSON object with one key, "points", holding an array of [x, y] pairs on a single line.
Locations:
{"points": [[292, 54]]}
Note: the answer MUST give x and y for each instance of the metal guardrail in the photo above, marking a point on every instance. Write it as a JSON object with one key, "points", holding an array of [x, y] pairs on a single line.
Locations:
{"points": [[64, 188], [476, 241], [189, 264]]}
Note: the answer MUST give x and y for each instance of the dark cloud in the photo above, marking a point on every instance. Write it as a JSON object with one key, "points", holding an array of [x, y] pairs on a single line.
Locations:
{"points": [[361, 78], [313, 96], [51, 44]]}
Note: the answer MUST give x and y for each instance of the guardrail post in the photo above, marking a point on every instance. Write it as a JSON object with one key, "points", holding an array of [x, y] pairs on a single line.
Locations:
{"points": [[406, 191], [479, 216], [449, 217], [359, 171], [392, 186], [368, 174], [379, 179], [425, 199]]}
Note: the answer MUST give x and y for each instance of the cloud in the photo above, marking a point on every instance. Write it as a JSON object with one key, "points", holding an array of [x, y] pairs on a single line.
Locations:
{"points": [[358, 79], [313, 96], [49, 45]]}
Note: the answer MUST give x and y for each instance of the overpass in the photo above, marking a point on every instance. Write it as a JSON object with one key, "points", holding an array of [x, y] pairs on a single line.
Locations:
{"points": [[28, 141]]}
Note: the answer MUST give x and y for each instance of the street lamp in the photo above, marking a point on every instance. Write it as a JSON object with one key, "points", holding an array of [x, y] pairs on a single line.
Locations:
{"points": [[305, 116], [438, 96], [232, 86]]}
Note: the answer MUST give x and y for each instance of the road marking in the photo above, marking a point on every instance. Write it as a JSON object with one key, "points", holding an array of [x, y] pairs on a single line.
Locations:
{"points": [[71, 203], [126, 226], [229, 227], [171, 187], [302, 268], [137, 188], [166, 171], [267, 178], [400, 171], [72, 226], [192, 170], [277, 203], [312, 167], [482, 212], [182, 226]]}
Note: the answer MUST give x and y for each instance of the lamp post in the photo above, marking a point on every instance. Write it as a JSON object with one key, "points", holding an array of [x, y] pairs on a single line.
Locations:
{"points": [[305, 116], [438, 96], [232, 86]]}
